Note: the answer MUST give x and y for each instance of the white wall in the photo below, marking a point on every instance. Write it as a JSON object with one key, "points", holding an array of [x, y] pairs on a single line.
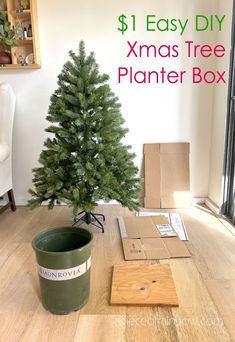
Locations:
{"points": [[219, 114], [153, 113]]}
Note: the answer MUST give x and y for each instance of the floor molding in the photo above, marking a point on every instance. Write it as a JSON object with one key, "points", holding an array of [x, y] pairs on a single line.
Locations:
{"points": [[194, 201], [198, 200]]}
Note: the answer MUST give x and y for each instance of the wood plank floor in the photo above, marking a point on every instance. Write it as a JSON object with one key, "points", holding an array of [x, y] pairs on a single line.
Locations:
{"points": [[205, 285]]}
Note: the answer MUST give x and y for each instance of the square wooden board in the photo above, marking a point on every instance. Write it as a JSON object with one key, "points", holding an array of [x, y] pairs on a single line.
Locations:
{"points": [[143, 284]]}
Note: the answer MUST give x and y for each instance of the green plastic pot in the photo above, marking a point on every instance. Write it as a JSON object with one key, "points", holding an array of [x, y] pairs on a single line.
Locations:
{"points": [[64, 258]]}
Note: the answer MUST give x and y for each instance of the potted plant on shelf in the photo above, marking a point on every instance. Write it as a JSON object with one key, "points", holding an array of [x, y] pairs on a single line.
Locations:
{"points": [[7, 39], [83, 162], [22, 5]]}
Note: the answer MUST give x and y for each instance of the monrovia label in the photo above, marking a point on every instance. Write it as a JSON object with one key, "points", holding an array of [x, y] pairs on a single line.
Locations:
{"points": [[64, 274]]}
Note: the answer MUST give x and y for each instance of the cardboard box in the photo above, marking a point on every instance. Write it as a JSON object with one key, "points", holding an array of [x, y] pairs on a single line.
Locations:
{"points": [[150, 237], [166, 168], [175, 220]]}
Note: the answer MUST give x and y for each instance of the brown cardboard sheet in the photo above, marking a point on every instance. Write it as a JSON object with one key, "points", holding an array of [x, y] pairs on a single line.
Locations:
{"points": [[143, 226], [152, 175], [176, 248], [142, 240], [133, 249], [136, 228], [154, 248], [166, 175]]}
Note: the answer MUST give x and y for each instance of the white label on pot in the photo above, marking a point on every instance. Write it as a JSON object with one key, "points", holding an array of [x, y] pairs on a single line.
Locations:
{"points": [[88, 263], [64, 274]]}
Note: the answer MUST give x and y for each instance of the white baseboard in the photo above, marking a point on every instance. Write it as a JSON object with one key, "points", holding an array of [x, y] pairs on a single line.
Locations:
{"points": [[24, 201], [21, 201], [198, 200], [194, 201]]}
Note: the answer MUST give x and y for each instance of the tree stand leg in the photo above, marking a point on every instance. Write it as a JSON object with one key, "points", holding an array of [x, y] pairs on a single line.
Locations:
{"points": [[90, 218]]}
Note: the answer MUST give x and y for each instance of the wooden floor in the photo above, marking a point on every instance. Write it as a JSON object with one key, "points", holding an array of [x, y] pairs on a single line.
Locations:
{"points": [[205, 285]]}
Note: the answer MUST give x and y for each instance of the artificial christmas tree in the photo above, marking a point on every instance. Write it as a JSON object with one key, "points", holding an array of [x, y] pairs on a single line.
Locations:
{"points": [[85, 161]]}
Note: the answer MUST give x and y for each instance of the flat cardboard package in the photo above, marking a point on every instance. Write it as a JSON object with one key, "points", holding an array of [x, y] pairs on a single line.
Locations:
{"points": [[166, 176], [150, 237], [174, 219]]}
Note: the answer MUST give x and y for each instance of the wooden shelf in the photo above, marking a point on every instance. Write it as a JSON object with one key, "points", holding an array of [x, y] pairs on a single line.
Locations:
{"points": [[29, 40], [20, 67], [16, 14], [26, 46]]}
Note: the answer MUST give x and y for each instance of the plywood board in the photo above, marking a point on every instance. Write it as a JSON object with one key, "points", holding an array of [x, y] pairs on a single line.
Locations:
{"points": [[143, 284]]}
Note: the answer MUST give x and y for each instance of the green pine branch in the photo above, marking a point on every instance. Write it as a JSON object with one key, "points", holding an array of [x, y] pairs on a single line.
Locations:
{"points": [[85, 160]]}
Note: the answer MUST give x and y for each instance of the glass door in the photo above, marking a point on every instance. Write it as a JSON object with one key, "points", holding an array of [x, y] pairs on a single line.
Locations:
{"points": [[228, 207]]}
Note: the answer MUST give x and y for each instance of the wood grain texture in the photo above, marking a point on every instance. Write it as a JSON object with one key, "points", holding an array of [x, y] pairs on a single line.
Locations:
{"points": [[196, 318], [45, 327], [212, 246], [143, 284], [101, 328], [22, 317], [223, 294], [154, 324]]}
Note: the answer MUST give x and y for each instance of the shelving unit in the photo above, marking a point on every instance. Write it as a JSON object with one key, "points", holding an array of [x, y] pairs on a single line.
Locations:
{"points": [[26, 54]]}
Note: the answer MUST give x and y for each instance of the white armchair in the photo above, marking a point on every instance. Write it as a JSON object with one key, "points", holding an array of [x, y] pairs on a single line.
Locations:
{"points": [[7, 111]]}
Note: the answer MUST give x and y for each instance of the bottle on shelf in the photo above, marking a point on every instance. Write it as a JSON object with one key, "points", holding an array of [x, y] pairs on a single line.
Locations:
{"points": [[19, 31], [22, 16], [25, 33], [29, 32]]}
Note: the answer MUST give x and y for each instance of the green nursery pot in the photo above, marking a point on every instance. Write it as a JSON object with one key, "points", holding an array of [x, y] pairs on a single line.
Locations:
{"points": [[64, 259]]}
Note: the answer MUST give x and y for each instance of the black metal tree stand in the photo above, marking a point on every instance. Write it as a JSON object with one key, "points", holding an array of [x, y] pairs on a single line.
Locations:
{"points": [[90, 218]]}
